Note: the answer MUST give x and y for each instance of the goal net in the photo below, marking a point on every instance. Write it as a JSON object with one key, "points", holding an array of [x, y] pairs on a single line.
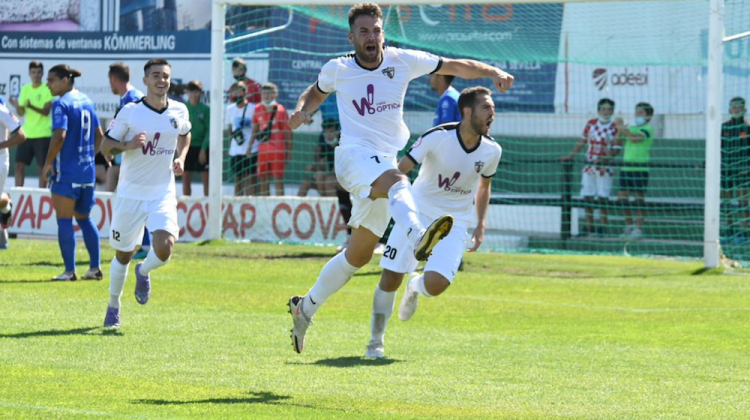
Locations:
{"points": [[649, 58]]}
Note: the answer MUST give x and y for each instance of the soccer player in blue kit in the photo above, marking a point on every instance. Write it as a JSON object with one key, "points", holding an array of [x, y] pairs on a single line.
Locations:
{"points": [[69, 166]]}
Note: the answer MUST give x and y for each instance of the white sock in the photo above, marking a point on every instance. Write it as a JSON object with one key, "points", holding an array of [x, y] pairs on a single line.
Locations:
{"points": [[403, 208], [117, 274], [417, 285], [334, 275], [152, 262], [382, 308]]}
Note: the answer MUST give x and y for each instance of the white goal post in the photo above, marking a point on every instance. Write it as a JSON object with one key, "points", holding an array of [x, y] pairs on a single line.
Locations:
{"points": [[711, 251]]}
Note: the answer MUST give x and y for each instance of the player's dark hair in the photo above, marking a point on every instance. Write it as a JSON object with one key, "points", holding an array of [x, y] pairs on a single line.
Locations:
{"points": [[646, 107], [364, 9], [36, 65], [238, 62], [468, 97], [194, 85], [739, 99], [605, 101], [64, 71], [331, 124], [121, 71], [155, 62]]}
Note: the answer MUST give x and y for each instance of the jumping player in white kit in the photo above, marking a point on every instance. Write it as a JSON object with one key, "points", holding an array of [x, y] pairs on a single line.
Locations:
{"points": [[371, 84], [8, 124], [149, 132], [458, 162]]}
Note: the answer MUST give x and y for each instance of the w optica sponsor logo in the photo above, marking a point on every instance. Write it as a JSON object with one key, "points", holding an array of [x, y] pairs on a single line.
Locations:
{"points": [[446, 183], [602, 78], [367, 104], [151, 148]]}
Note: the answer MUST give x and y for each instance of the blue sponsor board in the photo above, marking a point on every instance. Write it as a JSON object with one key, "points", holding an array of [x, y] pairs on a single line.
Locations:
{"points": [[172, 42]]}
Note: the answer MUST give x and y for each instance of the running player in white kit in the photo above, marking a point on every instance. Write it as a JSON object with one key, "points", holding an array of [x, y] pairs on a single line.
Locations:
{"points": [[8, 124], [371, 84], [458, 162], [149, 132]]}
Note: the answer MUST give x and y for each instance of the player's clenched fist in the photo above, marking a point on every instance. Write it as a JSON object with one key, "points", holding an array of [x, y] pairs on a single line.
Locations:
{"points": [[502, 81], [298, 118], [137, 141], [178, 167]]}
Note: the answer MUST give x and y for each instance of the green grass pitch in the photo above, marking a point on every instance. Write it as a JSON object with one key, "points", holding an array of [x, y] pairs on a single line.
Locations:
{"points": [[516, 337]]}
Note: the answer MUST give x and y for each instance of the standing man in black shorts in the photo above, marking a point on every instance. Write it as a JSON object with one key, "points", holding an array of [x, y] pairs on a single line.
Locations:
{"points": [[197, 157], [35, 103]]}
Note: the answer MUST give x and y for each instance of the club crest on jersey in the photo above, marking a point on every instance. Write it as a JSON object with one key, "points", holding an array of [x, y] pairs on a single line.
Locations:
{"points": [[478, 165], [390, 72], [173, 122]]}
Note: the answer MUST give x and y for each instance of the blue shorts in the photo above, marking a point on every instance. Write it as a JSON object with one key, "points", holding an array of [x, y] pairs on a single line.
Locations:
{"points": [[82, 193]]}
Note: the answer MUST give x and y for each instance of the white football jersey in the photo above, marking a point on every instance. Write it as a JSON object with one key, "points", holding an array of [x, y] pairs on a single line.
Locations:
{"points": [[450, 173], [8, 124], [371, 102], [146, 173]]}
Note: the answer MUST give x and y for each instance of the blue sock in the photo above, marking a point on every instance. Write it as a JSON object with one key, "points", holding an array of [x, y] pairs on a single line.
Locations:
{"points": [[91, 239], [146, 243], [66, 237]]}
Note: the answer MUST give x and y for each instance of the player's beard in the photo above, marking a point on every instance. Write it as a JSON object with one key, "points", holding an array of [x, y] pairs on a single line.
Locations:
{"points": [[365, 56], [481, 127]]}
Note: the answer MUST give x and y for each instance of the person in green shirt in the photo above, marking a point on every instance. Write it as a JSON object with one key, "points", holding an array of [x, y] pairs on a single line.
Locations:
{"points": [[637, 139], [197, 157], [34, 103]]}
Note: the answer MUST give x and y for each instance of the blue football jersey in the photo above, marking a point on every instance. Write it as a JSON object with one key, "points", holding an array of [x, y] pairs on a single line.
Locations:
{"points": [[75, 113], [447, 110], [133, 95]]}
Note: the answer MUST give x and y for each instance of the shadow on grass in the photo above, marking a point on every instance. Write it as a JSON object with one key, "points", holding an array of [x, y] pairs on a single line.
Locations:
{"points": [[26, 281], [350, 361], [54, 333], [254, 398], [40, 264]]}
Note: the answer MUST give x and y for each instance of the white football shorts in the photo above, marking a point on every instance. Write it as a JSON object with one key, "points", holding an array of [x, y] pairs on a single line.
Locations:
{"points": [[129, 217], [357, 167], [445, 259], [596, 185]]}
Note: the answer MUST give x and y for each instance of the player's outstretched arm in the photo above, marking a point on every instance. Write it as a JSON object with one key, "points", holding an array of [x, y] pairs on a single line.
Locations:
{"points": [[472, 69], [482, 202], [111, 147], [308, 102]]}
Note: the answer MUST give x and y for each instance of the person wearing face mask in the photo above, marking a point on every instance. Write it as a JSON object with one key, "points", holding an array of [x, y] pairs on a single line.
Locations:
{"points": [[243, 156], [239, 72], [596, 180], [271, 130], [638, 139], [735, 172]]}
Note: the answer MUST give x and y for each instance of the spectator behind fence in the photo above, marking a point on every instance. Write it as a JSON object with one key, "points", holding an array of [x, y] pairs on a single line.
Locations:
{"points": [[271, 129], [197, 157], [735, 172], [252, 88], [243, 160], [596, 180], [34, 103], [320, 174], [634, 174], [447, 109]]}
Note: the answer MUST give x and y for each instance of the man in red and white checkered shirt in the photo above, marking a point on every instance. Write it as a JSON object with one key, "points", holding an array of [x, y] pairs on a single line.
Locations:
{"points": [[596, 181]]}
